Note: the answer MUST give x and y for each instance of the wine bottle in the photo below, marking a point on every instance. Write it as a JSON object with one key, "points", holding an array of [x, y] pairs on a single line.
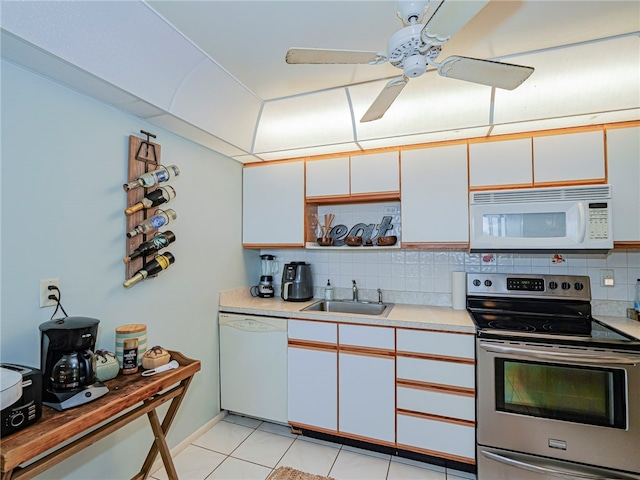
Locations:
{"points": [[163, 174], [160, 241], [155, 266], [153, 199], [159, 220]]}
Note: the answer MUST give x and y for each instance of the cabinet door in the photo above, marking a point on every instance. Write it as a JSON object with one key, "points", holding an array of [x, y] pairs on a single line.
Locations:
{"points": [[433, 178], [575, 157], [449, 439], [327, 177], [367, 381], [312, 387], [623, 160], [273, 204], [367, 396], [312, 366], [374, 173], [508, 162]]}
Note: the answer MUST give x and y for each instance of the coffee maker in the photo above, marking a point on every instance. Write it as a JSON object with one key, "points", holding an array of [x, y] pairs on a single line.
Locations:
{"points": [[67, 362], [268, 267]]}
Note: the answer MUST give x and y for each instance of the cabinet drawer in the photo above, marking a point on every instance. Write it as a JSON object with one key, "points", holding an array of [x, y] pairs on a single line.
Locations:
{"points": [[449, 439], [366, 336], [437, 403], [436, 343], [436, 372], [313, 331]]}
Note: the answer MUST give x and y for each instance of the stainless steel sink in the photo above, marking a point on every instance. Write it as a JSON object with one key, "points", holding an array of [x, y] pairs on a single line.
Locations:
{"points": [[348, 306]]}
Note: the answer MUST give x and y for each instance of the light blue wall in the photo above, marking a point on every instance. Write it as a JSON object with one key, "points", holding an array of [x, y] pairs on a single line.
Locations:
{"points": [[64, 160]]}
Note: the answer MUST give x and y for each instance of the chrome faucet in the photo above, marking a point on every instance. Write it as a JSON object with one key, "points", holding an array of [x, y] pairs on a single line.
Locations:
{"points": [[355, 291], [380, 296]]}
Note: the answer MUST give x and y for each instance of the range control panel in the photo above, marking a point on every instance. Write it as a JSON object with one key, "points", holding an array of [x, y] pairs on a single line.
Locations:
{"points": [[575, 287]]}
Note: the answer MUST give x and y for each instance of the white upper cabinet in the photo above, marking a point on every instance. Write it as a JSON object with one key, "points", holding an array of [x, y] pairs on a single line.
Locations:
{"points": [[273, 204], [569, 157], [506, 162], [328, 177], [376, 172], [623, 160], [435, 195]]}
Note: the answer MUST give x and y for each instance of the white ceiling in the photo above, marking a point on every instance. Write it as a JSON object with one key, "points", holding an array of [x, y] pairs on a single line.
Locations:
{"points": [[250, 38], [215, 72]]}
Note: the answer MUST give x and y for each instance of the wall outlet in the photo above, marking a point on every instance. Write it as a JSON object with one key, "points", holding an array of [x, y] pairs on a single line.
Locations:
{"points": [[45, 301], [606, 277]]}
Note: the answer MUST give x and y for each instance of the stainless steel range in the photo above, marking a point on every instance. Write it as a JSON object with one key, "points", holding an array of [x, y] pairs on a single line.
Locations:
{"points": [[558, 391]]}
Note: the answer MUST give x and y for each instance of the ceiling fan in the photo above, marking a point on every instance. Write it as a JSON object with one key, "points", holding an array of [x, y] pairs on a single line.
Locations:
{"points": [[416, 46]]}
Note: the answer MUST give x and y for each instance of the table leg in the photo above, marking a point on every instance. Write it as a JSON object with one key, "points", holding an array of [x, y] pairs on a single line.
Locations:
{"points": [[160, 432]]}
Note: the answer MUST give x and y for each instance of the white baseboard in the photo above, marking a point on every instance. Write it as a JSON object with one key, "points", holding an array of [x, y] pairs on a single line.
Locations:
{"points": [[157, 465]]}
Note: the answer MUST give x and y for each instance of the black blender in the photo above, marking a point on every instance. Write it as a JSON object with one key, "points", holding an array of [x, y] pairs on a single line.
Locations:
{"points": [[67, 362], [268, 267]]}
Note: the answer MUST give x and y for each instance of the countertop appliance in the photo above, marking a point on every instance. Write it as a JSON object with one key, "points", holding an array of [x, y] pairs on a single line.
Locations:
{"points": [[21, 397], [545, 219], [253, 366], [68, 363], [297, 282], [556, 388], [268, 267]]}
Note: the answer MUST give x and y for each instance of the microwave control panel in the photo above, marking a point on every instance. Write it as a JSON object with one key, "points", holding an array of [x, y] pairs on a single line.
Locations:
{"points": [[598, 218]]}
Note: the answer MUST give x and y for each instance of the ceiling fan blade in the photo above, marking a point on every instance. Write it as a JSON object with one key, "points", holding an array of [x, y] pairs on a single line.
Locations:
{"points": [[324, 56], [450, 17], [384, 100], [485, 72]]}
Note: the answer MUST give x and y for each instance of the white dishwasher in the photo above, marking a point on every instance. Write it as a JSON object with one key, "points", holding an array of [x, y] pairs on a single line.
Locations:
{"points": [[253, 366]]}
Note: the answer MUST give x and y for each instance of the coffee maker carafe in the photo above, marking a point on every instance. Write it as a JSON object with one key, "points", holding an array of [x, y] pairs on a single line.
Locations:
{"points": [[67, 362]]}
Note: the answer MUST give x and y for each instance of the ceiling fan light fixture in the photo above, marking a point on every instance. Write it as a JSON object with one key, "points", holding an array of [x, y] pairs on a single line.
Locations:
{"points": [[414, 66]]}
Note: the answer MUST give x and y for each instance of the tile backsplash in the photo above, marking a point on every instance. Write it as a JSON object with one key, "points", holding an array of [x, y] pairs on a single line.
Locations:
{"points": [[424, 276]]}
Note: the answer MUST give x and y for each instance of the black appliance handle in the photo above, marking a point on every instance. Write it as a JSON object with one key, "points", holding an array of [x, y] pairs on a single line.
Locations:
{"points": [[570, 471], [595, 357]]}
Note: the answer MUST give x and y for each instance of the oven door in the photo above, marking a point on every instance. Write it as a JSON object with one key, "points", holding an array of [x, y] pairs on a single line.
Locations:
{"points": [[563, 402]]}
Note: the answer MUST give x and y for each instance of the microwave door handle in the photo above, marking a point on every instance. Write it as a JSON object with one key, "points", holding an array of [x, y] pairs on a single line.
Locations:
{"points": [[575, 471], [576, 357], [582, 222]]}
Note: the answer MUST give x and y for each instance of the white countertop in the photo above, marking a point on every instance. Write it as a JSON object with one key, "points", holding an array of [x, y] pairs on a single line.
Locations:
{"points": [[401, 315]]}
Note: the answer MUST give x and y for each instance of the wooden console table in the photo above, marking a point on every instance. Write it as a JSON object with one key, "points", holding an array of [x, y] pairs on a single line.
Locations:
{"points": [[50, 433]]}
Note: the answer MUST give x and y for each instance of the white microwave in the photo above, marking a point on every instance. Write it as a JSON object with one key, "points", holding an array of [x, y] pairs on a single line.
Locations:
{"points": [[543, 219]]}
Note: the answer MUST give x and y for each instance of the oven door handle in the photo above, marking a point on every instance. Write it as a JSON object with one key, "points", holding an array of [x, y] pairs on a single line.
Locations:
{"points": [[576, 357], [574, 472]]}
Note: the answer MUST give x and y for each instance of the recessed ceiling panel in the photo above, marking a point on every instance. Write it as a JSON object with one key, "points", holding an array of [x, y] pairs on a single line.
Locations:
{"points": [[318, 119], [592, 78], [427, 104]]}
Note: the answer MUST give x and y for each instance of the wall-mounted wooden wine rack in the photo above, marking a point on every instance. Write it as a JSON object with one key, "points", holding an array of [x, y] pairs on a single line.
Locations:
{"points": [[144, 156]]}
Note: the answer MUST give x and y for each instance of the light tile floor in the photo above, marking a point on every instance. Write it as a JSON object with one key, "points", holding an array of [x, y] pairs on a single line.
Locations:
{"points": [[242, 448]]}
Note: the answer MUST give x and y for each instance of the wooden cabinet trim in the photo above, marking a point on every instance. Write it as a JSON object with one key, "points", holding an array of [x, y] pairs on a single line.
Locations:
{"points": [[437, 418], [355, 198], [436, 387], [311, 345], [434, 357], [436, 246], [367, 351]]}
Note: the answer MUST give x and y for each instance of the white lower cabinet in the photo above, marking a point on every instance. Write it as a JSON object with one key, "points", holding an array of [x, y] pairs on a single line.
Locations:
{"points": [[366, 382], [435, 391], [410, 389], [312, 366], [438, 438]]}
